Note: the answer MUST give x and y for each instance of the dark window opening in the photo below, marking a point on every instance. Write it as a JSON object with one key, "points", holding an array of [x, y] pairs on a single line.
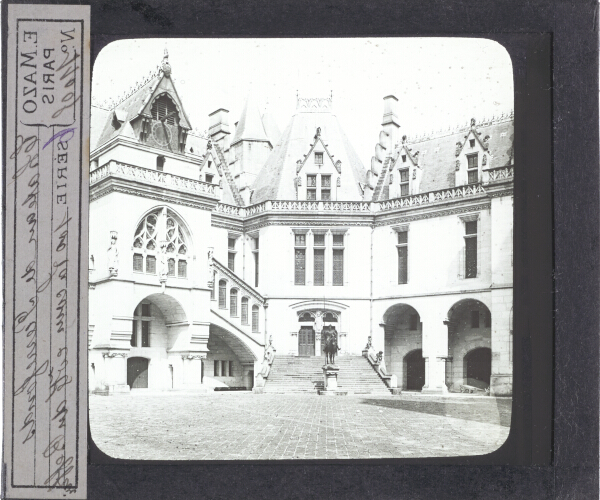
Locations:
{"points": [[487, 319], [163, 108], [338, 240], [319, 158], [471, 227], [472, 143], [255, 318], [231, 261], [338, 267], [133, 341], [209, 178], [471, 257], [300, 267], [222, 294], [151, 264], [138, 262], [402, 265], [171, 264], [182, 269], [160, 163], [319, 240], [217, 368], [146, 310], [474, 319], [413, 322], [325, 195], [244, 310], [311, 194]]}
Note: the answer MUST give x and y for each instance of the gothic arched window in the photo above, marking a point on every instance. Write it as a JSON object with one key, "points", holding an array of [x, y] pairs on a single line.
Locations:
{"points": [[163, 107], [244, 310], [222, 294], [158, 226]]}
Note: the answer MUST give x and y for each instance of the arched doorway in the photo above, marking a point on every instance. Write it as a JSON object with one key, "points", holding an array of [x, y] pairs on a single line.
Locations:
{"points": [[402, 335], [137, 373], [478, 367], [415, 370], [469, 345]]}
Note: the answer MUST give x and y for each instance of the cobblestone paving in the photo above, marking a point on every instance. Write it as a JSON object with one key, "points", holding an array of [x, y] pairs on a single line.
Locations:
{"points": [[230, 426]]}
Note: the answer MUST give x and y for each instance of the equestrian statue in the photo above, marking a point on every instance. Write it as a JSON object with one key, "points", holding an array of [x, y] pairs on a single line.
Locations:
{"points": [[330, 346]]}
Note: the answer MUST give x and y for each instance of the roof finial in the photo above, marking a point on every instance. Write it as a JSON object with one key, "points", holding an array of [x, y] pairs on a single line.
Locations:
{"points": [[166, 67]]}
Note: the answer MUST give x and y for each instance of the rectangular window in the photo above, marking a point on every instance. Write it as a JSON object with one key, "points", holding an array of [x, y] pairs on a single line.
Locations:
{"points": [[402, 265], [338, 240], [319, 158], [300, 267], [472, 161], [134, 334], [338, 267], [472, 143], [471, 257], [404, 182], [231, 261], [231, 369], [311, 181], [151, 264], [326, 181], [403, 158], [471, 227], [473, 177], [171, 263], [474, 319], [182, 269], [146, 310], [319, 240], [224, 366], [402, 247], [319, 274], [311, 194], [231, 243], [255, 319], [233, 303], [145, 333], [209, 178], [138, 263], [325, 195], [222, 296], [300, 240], [217, 368], [413, 322]]}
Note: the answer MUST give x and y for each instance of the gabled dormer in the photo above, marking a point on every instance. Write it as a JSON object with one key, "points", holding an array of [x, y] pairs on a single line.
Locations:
{"points": [[405, 176], [161, 121], [318, 173], [472, 157]]}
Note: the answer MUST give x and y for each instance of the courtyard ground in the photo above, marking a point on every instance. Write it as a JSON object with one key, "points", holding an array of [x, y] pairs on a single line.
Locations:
{"points": [[244, 426]]}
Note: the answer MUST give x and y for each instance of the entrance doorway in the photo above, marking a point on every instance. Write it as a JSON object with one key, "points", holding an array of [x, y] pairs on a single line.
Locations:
{"points": [[415, 370], [306, 341], [137, 373], [478, 367]]}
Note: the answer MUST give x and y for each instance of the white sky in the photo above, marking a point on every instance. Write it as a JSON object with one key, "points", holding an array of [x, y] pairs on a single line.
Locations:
{"points": [[440, 82]]}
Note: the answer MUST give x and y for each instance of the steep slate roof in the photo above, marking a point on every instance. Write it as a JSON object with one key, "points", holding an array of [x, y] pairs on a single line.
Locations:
{"points": [[439, 166], [139, 103], [275, 180], [271, 129], [98, 119], [250, 126]]}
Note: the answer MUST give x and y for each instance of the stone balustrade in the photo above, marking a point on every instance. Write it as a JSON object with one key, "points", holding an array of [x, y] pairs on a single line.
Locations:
{"points": [[151, 176]]}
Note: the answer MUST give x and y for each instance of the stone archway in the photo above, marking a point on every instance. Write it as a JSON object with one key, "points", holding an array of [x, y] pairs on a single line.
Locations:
{"points": [[469, 331], [403, 335]]}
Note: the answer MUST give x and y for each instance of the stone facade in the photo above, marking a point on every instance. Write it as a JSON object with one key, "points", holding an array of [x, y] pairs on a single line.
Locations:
{"points": [[202, 251]]}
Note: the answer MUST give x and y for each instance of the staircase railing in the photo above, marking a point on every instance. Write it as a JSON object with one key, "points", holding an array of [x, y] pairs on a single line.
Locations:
{"points": [[378, 363]]}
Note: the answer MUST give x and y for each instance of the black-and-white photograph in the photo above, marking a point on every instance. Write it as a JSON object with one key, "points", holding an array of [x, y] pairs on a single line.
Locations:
{"points": [[301, 249]]}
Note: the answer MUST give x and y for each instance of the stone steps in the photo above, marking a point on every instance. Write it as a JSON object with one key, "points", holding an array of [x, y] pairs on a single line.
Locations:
{"points": [[292, 374]]}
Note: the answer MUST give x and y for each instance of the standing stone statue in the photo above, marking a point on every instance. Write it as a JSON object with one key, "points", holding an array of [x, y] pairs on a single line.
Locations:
{"points": [[113, 255]]}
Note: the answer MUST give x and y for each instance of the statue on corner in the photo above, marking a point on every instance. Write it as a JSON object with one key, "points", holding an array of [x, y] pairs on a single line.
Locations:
{"points": [[113, 255]]}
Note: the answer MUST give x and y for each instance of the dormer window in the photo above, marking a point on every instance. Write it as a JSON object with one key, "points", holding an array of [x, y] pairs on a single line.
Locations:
{"points": [[209, 178], [404, 182], [311, 184], [403, 158], [472, 143], [326, 187], [164, 108], [318, 158], [473, 169]]}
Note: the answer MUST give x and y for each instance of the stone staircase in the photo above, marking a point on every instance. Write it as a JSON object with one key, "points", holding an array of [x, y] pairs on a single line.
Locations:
{"points": [[293, 374], [381, 180], [225, 167]]}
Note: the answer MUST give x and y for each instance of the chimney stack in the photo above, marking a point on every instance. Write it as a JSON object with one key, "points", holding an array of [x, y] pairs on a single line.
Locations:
{"points": [[218, 123], [390, 118]]}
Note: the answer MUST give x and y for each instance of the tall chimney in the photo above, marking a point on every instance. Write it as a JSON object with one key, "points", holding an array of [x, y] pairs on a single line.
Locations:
{"points": [[218, 128], [390, 119]]}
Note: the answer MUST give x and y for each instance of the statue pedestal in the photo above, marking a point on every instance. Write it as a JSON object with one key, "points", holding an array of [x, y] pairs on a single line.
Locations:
{"points": [[330, 373]]}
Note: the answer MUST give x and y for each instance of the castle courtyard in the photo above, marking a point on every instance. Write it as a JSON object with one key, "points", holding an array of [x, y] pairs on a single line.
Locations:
{"points": [[177, 425]]}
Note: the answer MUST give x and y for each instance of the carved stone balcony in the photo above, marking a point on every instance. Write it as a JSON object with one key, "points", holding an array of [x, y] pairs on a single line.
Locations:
{"points": [[432, 197], [152, 177], [499, 174]]}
